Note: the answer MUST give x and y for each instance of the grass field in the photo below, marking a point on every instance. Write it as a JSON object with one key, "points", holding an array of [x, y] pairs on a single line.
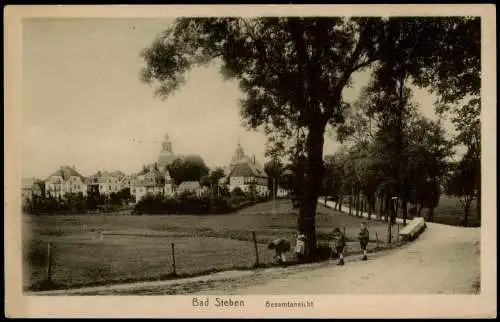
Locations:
{"points": [[450, 212], [139, 247]]}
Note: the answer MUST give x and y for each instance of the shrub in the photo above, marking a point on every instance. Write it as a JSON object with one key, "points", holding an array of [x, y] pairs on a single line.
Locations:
{"points": [[190, 203], [150, 204], [237, 192]]}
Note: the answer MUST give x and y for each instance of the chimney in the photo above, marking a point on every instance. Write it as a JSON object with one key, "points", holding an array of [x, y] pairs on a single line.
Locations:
{"points": [[253, 159], [74, 168]]}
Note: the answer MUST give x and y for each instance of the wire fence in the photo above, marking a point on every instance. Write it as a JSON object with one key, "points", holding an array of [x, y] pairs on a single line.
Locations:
{"points": [[106, 257]]}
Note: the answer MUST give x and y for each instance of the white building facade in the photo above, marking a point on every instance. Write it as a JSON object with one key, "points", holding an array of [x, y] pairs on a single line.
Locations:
{"points": [[246, 174], [64, 181]]}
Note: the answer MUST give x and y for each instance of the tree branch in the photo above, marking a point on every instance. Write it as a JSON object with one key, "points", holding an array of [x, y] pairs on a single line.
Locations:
{"points": [[365, 63]]}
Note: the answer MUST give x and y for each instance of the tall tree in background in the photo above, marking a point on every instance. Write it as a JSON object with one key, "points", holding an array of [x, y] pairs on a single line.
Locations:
{"points": [[428, 152], [189, 168], [292, 72], [274, 169], [462, 183], [457, 82]]}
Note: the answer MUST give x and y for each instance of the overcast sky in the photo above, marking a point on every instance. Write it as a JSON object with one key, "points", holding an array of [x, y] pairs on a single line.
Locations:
{"points": [[84, 103]]}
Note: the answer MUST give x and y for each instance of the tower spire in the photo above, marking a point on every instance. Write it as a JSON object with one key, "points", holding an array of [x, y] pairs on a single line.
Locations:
{"points": [[166, 144]]}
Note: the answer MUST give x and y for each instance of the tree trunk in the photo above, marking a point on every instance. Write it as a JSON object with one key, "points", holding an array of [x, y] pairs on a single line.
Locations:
{"points": [[389, 235], [374, 204], [465, 220], [356, 202], [431, 214], [311, 191], [381, 207], [369, 206], [478, 204], [350, 200], [405, 211], [478, 191], [388, 208]]}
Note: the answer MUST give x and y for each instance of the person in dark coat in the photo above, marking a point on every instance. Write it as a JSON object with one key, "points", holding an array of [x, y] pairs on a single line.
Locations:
{"points": [[280, 246], [364, 238], [339, 243]]}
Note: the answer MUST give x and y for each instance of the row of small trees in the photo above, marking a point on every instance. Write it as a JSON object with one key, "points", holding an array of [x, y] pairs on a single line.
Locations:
{"points": [[77, 202], [391, 150], [191, 203]]}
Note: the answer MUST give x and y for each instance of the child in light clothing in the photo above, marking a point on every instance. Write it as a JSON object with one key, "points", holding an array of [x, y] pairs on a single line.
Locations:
{"points": [[300, 247]]}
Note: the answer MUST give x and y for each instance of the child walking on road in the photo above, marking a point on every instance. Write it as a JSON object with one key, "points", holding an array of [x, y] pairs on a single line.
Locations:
{"points": [[339, 243], [364, 237]]}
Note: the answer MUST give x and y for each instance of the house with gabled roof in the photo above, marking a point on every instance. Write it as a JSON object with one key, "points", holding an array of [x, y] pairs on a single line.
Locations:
{"points": [[151, 182], [32, 187], [65, 180], [105, 183], [247, 174], [193, 187]]}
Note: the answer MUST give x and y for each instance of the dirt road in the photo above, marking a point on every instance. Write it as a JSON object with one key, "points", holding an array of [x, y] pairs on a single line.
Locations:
{"points": [[444, 259]]}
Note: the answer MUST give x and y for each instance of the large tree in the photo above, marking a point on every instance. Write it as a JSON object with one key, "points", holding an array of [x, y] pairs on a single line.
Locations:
{"points": [[189, 168], [292, 72]]}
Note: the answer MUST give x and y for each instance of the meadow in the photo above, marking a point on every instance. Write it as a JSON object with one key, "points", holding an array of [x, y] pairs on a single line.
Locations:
{"points": [[450, 212], [104, 249]]}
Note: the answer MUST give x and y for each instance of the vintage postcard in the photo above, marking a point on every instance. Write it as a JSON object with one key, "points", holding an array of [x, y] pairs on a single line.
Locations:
{"points": [[250, 161]]}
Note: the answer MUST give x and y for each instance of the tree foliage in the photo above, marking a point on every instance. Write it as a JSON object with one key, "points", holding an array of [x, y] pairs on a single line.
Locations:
{"points": [[189, 168], [274, 170], [292, 72], [461, 182]]}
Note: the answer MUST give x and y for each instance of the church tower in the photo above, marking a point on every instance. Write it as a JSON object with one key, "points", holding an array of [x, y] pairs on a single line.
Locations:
{"points": [[166, 155], [239, 155], [166, 145]]}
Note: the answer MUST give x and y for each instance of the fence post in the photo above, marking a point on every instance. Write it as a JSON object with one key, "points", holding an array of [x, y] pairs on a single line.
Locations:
{"points": [[397, 237], [174, 271], [376, 237], [49, 262], [256, 249]]}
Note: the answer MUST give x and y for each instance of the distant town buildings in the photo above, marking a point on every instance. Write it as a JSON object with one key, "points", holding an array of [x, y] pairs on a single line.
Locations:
{"points": [[243, 172]]}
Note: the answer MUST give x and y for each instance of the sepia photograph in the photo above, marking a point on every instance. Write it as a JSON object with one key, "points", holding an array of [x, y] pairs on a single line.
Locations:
{"points": [[287, 156]]}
